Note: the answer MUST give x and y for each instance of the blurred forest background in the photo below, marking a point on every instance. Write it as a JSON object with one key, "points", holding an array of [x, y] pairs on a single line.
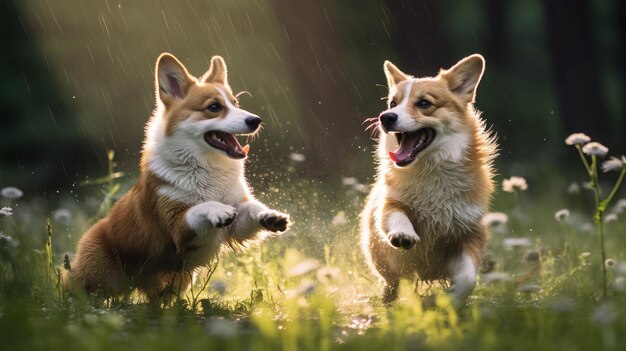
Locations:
{"points": [[76, 76]]}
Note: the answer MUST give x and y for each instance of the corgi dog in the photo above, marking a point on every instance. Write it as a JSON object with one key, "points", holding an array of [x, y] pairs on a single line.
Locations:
{"points": [[434, 181], [191, 199]]}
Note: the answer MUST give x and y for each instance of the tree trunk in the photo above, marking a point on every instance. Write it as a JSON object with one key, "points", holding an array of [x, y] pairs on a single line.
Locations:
{"points": [[578, 80]]}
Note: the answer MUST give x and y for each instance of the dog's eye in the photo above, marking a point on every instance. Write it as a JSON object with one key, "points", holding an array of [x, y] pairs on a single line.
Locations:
{"points": [[423, 104], [214, 107], [392, 104]]}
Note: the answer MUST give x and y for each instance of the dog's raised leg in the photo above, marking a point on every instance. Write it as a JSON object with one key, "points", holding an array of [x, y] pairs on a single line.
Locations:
{"points": [[254, 216], [399, 229], [462, 270]]}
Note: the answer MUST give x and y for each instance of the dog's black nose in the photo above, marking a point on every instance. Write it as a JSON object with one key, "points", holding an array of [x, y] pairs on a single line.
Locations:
{"points": [[253, 122], [387, 120]]}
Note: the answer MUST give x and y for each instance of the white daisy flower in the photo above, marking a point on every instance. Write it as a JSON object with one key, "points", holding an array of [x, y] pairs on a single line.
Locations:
{"points": [[11, 193], [303, 268], [328, 274], [7, 240], [573, 188], [494, 218], [297, 157], [339, 219], [6, 212], [349, 181], [511, 243], [612, 217], [513, 184], [577, 139], [614, 164], [63, 215], [595, 149], [562, 215]]}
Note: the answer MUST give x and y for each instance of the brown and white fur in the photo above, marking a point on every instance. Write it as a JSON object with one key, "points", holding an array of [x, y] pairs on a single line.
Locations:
{"points": [[422, 218], [191, 199]]}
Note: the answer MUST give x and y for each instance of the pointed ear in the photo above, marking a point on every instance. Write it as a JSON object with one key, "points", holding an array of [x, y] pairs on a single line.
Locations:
{"points": [[463, 78], [394, 74], [172, 78], [217, 73]]}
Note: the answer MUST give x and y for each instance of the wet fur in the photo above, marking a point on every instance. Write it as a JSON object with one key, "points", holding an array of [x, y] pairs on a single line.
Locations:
{"points": [[443, 193], [190, 201]]}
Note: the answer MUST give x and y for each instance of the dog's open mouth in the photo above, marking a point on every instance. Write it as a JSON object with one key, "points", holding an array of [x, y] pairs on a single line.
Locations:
{"points": [[226, 142], [411, 144]]}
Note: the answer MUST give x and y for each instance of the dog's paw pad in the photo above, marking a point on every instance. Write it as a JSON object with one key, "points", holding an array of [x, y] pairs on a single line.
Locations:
{"points": [[223, 217], [274, 221], [402, 240]]}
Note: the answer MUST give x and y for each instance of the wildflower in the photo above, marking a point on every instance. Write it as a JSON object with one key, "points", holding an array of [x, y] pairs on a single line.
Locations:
{"points": [[565, 304], [573, 188], [511, 243], [619, 284], [621, 203], [611, 217], [562, 215], [495, 277], [297, 157], [63, 215], [595, 149], [494, 218], [7, 240], [609, 263], [362, 188], [12, 193], [349, 181], [303, 268], [221, 328], [513, 184], [339, 219], [614, 164], [604, 314], [577, 139], [219, 286], [327, 274], [620, 267], [6, 212]]}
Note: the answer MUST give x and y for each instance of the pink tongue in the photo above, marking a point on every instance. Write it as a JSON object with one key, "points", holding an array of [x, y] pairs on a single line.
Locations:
{"points": [[233, 143], [403, 153]]}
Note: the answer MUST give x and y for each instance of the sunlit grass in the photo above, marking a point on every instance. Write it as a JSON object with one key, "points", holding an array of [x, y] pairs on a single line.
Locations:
{"points": [[541, 286]]}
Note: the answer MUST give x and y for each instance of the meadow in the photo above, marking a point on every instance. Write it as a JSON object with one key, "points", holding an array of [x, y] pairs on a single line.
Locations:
{"points": [[540, 286]]}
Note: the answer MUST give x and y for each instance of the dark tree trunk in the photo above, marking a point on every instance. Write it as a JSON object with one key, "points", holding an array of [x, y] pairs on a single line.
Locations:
{"points": [[417, 36], [577, 77], [331, 122], [497, 35]]}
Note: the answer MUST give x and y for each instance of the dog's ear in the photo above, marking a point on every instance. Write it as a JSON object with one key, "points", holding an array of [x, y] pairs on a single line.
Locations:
{"points": [[172, 79], [463, 78], [217, 73], [394, 74]]}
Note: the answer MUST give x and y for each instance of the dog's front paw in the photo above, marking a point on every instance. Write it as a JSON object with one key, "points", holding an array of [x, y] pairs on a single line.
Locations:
{"points": [[401, 240], [274, 221], [222, 216]]}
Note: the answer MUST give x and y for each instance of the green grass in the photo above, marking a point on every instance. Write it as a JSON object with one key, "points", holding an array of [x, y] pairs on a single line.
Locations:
{"points": [[262, 299]]}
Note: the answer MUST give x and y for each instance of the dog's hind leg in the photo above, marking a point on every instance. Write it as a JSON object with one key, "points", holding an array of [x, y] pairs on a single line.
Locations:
{"points": [[462, 271]]}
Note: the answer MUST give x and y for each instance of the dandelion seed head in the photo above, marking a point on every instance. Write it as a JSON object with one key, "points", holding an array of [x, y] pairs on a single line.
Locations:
{"points": [[494, 218], [595, 149], [339, 219], [63, 215], [577, 139], [514, 184], [614, 164], [11, 193], [573, 188], [609, 263], [562, 215], [297, 157], [6, 212]]}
